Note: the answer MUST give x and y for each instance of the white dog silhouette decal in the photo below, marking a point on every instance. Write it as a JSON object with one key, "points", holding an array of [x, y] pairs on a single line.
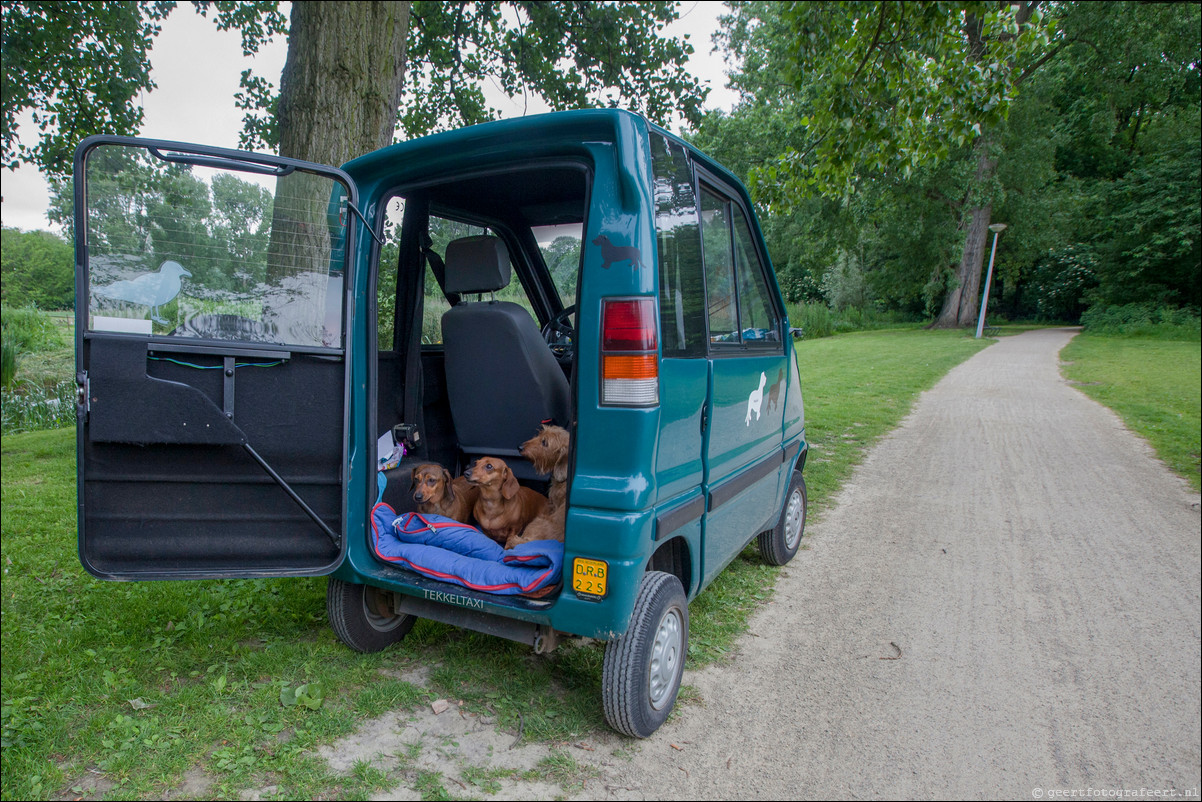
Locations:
{"points": [[756, 399]]}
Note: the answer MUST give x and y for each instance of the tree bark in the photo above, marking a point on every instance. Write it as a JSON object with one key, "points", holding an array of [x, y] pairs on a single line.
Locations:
{"points": [[340, 92], [342, 80], [960, 306]]}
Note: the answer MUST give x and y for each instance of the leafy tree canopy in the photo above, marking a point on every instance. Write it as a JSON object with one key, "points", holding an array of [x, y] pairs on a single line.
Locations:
{"points": [[885, 86], [80, 65]]}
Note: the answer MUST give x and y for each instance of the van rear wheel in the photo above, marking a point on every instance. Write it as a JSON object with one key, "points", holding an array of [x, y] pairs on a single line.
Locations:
{"points": [[642, 669], [362, 618], [779, 544]]}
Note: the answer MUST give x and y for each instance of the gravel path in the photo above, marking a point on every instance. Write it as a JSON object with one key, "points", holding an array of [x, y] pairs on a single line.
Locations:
{"points": [[1003, 602]]}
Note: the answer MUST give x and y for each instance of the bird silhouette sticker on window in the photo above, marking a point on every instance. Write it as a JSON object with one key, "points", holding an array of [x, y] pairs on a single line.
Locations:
{"points": [[153, 290]]}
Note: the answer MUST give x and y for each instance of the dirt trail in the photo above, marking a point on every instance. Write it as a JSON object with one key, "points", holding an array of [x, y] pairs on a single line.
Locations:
{"points": [[1004, 601]]}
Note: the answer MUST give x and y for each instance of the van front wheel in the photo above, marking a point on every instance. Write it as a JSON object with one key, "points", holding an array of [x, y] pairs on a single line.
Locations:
{"points": [[780, 544], [642, 669], [361, 618]]}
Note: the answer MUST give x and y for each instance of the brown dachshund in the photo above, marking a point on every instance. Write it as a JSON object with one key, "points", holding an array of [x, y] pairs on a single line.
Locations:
{"points": [[548, 452], [504, 507], [437, 494]]}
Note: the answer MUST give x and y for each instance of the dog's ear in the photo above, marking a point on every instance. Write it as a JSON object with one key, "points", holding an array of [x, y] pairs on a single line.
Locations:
{"points": [[450, 487], [413, 477], [510, 486]]}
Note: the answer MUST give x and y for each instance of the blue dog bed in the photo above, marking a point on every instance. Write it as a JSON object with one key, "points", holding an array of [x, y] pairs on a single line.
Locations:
{"points": [[444, 549]]}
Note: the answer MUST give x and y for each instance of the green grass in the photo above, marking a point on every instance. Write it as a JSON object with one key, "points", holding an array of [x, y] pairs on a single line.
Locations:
{"points": [[138, 683], [1153, 385]]}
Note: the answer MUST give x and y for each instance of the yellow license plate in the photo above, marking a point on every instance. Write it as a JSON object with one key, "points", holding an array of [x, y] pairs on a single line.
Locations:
{"points": [[590, 577]]}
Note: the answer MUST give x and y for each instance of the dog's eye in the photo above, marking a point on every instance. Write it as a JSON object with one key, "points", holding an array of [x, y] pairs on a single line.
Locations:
{"points": [[544, 443]]}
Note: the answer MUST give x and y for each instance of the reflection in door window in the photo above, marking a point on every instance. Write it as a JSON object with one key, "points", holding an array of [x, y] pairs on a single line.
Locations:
{"points": [[681, 282], [756, 319], [186, 250], [719, 269]]}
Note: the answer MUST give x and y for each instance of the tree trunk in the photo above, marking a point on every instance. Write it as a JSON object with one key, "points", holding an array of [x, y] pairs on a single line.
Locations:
{"points": [[339, 95], [960, 306], [343, 79]]}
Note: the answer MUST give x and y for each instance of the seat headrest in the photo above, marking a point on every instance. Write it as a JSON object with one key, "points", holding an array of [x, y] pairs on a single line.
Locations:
{"points": [[477, 264]]}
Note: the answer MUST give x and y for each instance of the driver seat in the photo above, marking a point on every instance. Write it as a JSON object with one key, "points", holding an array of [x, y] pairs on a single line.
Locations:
{"points": [[502, 379]]}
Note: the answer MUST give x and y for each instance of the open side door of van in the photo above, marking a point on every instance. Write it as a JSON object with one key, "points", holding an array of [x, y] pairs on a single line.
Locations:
{"points": [[212, 360]]}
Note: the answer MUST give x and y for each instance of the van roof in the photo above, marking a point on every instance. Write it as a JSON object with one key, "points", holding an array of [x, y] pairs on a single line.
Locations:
{"points": [[552, 135]]}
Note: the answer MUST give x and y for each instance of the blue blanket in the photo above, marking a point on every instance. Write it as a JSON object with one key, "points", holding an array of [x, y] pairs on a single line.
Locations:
{"points": [[446, 550]]}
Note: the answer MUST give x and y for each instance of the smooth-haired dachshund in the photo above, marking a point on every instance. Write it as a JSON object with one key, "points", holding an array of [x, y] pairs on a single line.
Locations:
{"points": [[504, 508], [437, 494]]}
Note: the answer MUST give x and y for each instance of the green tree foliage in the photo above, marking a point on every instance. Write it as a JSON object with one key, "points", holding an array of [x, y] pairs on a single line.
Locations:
{"points": [[1093, 164], [78, 66], [894, 86], [37, 268]]}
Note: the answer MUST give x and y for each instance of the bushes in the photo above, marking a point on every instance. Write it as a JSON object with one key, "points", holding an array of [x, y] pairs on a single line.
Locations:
{"points": [[29, 330], [818, 320], [1143, 320], [32, 343]]}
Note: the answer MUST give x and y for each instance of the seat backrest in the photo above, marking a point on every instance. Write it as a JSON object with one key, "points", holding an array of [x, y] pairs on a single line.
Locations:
{"points": [[502, 379]]}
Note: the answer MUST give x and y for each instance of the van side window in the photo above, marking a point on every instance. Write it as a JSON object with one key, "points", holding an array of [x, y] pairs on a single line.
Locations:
{"points": [[757, 321], [719, 269], [740, 305], [681, 282]]}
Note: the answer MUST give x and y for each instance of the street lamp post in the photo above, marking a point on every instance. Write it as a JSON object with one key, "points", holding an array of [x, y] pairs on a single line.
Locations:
{"points": [[996, 228]]}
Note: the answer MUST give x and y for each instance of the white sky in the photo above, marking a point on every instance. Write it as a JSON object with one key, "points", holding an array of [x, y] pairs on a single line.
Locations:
{"points": [[197, 69]]}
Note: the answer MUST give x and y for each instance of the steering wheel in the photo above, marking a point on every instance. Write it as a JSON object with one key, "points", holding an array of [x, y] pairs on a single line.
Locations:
{"points": [[559, 333]]}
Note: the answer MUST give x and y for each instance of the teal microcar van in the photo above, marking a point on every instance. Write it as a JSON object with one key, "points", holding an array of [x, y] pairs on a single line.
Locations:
{"points": [[266, 347]]}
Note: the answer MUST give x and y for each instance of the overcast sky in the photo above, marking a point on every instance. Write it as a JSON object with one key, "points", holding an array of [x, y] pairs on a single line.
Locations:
{"points": [[197, 69]]}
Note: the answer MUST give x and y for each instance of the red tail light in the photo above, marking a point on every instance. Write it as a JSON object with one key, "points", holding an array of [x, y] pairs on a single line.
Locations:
{"points": [[629, 363]]}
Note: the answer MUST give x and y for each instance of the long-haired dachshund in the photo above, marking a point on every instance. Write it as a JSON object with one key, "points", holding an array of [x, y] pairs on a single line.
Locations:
{"points": [[504, 507], [548, 452], [436, 493]]}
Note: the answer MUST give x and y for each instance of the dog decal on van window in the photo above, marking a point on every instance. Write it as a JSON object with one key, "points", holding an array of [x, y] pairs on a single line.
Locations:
{"points": [[756, 399], [610, 253]]}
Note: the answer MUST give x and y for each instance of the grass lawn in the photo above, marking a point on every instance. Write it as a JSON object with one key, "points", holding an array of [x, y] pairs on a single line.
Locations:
{"points": [[117, 689], [1154, 385]]}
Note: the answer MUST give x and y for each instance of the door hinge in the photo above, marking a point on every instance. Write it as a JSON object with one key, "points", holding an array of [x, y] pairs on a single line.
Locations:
{"points": [[82, 391]]}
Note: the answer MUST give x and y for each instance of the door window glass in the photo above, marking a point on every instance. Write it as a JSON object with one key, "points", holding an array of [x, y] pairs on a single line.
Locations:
{"points": [[757, 322], [182, 249], [719, 269]]}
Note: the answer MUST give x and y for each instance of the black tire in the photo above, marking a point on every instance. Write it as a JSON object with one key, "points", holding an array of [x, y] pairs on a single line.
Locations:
{"points": [[360, 617], [642, 669], [780, 544]]}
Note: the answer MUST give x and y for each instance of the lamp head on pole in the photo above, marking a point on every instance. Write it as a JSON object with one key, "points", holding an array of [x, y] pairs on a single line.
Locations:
{"points": [[997, 228]]}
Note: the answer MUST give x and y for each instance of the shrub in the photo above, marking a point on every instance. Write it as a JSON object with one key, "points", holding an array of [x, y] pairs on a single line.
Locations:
{"points": [[29, 330], [1143, 320]]}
